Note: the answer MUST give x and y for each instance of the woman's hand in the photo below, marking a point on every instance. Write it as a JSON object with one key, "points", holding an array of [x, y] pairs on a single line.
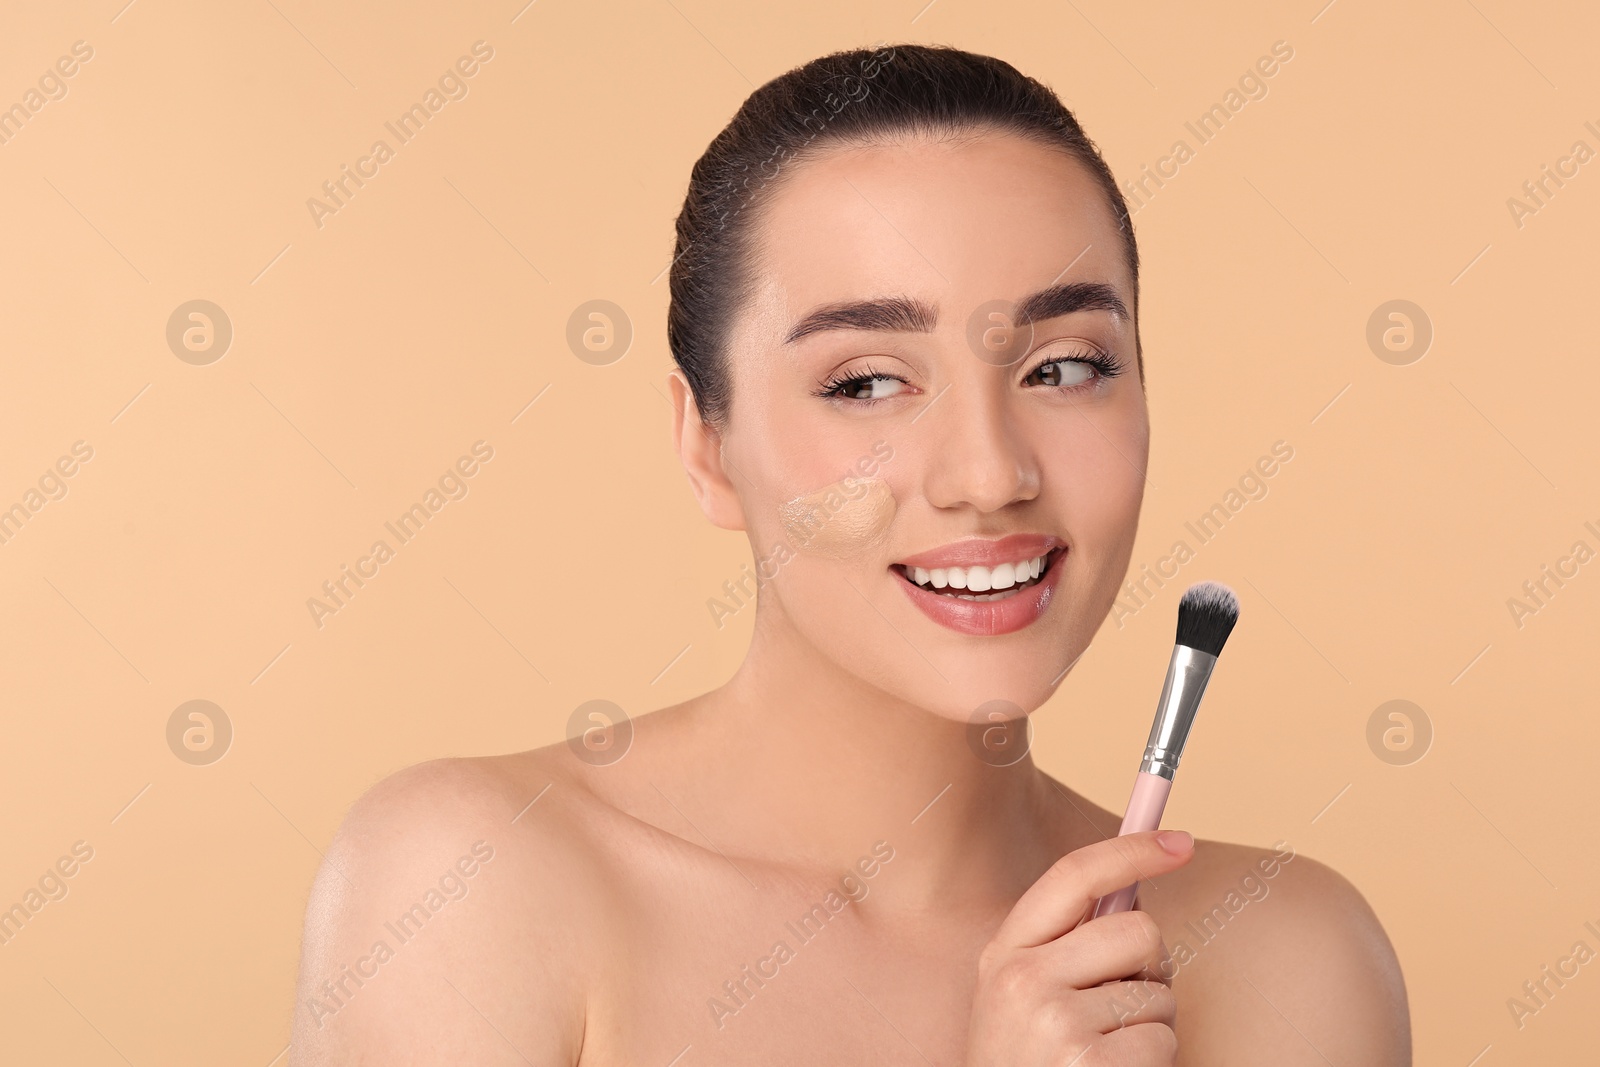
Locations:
{"points": [[1055, 988]]}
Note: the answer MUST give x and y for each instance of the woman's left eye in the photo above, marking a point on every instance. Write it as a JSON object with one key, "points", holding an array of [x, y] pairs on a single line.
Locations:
{"points": [[867, 387], [1062, 372]]}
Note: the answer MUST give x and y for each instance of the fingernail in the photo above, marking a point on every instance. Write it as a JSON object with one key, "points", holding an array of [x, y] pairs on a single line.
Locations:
{"points": [[1176, 842]]}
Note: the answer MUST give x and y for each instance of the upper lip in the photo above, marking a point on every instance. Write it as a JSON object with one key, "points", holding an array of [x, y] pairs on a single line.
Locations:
{"points": [[983, 552]]}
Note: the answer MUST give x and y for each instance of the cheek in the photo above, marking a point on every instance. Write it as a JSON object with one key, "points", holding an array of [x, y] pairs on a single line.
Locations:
{"points": [[1128, 488], [1132, 435], [839, 520], [1127, 437], [1102, 474]]}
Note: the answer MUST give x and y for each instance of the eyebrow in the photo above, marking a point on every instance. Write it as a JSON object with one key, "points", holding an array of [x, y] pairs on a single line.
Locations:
{"points": [[899, 313]]}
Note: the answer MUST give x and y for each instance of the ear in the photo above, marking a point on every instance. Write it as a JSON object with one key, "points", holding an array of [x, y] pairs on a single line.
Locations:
{"points": [[700, 449]]}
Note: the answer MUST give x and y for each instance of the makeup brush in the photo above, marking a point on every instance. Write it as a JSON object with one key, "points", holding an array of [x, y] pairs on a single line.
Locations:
{"points": [[1206, 615]]}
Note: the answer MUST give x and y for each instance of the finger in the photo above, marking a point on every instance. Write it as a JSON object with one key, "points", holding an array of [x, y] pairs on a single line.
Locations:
{"points": [[1164, 972], [1146, 1043], [1065, 895], [1111, 948], [1123, 1004], [1163, 968]]}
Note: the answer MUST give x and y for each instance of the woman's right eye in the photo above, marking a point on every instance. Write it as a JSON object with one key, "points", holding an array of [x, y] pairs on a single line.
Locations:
{"points": [[867, 387], [876, 387]]}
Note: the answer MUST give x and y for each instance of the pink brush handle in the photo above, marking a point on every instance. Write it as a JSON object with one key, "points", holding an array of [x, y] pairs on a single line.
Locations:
{"points": [[1144, 813]]}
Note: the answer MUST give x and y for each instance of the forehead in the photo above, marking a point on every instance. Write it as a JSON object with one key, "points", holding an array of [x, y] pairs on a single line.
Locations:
{"points": [[956, 223]]}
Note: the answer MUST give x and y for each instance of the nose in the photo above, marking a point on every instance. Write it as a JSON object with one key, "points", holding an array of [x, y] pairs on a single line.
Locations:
{"points": [[979, 454]]}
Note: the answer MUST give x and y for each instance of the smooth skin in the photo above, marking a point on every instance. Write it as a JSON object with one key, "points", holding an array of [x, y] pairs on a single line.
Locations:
{"points": [[810, 864]]}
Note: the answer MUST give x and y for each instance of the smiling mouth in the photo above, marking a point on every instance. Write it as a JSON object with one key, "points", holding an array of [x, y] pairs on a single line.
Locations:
{"points": [[981, 583]]}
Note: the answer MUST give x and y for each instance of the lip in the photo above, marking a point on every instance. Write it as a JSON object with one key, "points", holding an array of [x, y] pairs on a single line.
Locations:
{"points": [[988, 618], [983, 552]]}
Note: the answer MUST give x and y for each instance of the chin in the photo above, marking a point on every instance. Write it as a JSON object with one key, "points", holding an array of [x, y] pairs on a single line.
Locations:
{"points": [[960, 678]]}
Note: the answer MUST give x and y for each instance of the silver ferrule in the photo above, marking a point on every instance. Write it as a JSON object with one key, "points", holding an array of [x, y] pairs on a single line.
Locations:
{"points": [[1187, 675]]}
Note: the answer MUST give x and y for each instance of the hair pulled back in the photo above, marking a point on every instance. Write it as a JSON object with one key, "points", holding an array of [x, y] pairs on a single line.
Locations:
{"points": [[852, 98]]}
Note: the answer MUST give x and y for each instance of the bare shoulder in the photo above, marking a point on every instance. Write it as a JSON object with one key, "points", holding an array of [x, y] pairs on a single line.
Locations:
{"points": [[1279, 960], [450, 916]]}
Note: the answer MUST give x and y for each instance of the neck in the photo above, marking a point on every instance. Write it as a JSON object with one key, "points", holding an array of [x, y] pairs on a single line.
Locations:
{"points": [[824, 765]]}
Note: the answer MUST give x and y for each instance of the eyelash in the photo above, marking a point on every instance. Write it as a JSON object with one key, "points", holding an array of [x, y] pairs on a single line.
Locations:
{"points": [[835, 385], [1104, 365], [1105, 368]]}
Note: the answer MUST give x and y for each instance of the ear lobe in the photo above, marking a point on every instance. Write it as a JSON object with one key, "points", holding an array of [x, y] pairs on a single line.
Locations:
{"points": [[699, 448]]}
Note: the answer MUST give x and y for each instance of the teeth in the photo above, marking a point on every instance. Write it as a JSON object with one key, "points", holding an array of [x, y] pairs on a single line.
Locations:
{"points": [[979, 580]]}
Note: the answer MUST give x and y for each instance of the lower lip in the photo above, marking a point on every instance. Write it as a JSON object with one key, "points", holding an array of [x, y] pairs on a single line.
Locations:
{"points": [[987, 618]]}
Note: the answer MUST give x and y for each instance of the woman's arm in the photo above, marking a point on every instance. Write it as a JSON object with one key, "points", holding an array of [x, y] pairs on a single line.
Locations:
{"points": [[426, 936]]}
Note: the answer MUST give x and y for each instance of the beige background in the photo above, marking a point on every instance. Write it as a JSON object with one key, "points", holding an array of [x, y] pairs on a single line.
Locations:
{"points": [[369, 353]]}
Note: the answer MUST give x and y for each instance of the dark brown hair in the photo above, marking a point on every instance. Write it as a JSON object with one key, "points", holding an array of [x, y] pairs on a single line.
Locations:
{"points": [[857, 97]]}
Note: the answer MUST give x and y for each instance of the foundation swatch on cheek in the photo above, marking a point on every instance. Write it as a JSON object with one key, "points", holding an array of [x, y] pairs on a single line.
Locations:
{"points": [[840, 519]]}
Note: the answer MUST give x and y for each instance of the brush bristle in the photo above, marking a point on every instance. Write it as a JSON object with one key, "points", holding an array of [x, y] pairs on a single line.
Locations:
{"points": [[1206, 615]]}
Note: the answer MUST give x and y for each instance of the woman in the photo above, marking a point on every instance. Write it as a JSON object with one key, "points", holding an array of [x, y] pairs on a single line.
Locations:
{"points": [[905, 317]]}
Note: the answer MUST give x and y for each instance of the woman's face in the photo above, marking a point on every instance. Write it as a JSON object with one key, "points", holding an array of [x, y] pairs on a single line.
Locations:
{"points": [[885, 445]]}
